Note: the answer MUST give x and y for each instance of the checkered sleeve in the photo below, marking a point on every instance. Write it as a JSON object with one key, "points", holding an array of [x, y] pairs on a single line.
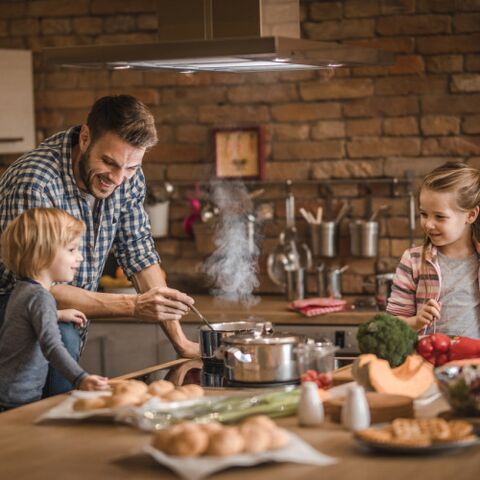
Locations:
{"points": [[133, 245]]}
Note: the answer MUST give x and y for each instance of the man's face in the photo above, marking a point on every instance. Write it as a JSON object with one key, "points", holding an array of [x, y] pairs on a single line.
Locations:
{"points": [[107, 163]]}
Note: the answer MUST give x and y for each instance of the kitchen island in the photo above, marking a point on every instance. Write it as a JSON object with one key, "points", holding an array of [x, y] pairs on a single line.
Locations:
{"points": [[91, 450]]}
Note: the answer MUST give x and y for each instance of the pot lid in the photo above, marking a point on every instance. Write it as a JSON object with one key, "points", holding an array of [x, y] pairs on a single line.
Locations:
{"points": [[240, 326], [258, 339]]}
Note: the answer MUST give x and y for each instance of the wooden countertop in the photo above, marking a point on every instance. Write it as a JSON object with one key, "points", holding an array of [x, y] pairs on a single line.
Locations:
{"points": [[80, 450], [270, 308]]}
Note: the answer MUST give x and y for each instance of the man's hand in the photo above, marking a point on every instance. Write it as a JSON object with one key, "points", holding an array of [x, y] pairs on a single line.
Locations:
{"points": [[162, 304], [71, 315]]}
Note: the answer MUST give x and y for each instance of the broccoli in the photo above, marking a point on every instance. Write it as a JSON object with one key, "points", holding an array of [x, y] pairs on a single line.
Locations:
{"points": [[387, 337]]}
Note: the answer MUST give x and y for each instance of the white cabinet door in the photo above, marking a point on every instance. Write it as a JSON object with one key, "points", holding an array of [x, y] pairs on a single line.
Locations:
{"points": [[17, 131]]}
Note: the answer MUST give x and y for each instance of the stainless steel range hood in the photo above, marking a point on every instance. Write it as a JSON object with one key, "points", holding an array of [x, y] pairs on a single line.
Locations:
{"points": [[222, 35]]}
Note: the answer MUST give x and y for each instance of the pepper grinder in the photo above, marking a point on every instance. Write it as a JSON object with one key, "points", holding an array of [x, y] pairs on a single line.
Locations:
{"points": [[355, 411], [310, 407]]}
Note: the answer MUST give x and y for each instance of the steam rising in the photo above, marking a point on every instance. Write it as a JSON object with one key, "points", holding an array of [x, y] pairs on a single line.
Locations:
{"points": [[233, 267]]}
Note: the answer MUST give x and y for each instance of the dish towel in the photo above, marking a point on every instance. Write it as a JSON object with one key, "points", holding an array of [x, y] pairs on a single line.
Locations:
{"points": [[312, 307]]}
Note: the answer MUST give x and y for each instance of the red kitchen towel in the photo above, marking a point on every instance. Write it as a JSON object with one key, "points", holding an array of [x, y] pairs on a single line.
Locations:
{"points": [[311, 307]]}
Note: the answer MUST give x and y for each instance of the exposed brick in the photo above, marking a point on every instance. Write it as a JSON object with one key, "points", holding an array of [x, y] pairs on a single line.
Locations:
{"points": [[287, 170], [13, 42], [119, 24], [48, 118], [398, 227], [364, 127], [147, 22], [76, 116], [472, 63], [451, 146], [451, 104], [304, 112], [126, 78], [55, 26], [149, 96], [192, 134], [287, 132], [107, 7], [347, 169], [187, 171], [175, 114], [194, 95], [297, 75], [392, 44], [391, 7], [87, 25], [404, 64], [14, 9], [168, 152], [3, 28], [448, 44], [58, 8], [469, 5], [324, 129], [126, 38], [62, 79], [400, 126], [64, 99], [465, 83], [440, 125], [413, 24], [168, 247], [398, 247], [466, 22], [263, 94], [444, 63], [27, 26], [308, 150], [389, 106], [411, 85], [342, 88], [437, 6], [340, 30], [325, 10], [228, 115], [396, 206], [153, 171], [471, 124], [383, 147], [165, 133], [93, 79], [361, 8], [361, 265]]}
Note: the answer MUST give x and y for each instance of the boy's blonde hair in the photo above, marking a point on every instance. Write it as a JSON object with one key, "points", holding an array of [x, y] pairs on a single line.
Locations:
{"points": [[30, 242]]}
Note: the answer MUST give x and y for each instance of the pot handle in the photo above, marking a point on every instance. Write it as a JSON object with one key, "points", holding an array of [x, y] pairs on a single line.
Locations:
{"points": [[239, 355]]}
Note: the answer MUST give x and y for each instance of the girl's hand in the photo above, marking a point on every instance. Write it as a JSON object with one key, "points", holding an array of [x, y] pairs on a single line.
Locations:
{"points": [[71, 315], [429, 312], [93, 382]]}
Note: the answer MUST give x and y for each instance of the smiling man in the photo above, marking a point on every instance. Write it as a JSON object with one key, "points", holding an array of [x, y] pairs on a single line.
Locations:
{"points": [[93, 171]]}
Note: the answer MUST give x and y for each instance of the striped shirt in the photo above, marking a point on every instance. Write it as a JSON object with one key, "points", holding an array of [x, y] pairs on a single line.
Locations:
{"points": [[44, 178], [414, 285]]}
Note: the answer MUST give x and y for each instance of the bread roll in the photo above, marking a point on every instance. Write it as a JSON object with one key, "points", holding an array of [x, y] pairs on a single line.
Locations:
{"points": [[174, 396], [160, 388], [262, 420], [130, 387], [85, 404], [258, 438], [278, 438], [211, 427], [192, 390], [228, 441], [187, 441], [123, 400]]}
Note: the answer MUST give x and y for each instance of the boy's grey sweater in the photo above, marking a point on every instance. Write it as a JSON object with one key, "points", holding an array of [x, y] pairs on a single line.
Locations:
{"points": [[30, 340]]}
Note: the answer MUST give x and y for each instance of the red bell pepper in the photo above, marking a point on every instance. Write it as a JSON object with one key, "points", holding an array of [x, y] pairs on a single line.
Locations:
{"points": [[464, 347]]}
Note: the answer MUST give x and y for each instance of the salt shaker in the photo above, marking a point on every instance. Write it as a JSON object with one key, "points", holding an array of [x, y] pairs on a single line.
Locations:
{"points": [[355, 411], [310, 407]]}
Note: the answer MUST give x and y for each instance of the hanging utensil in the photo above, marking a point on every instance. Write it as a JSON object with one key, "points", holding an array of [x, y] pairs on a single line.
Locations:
{"points": [[341, 213]]}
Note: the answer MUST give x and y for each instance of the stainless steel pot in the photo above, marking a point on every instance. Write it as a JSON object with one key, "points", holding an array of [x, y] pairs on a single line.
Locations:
{"points": [[261, 358], [210, 340]]}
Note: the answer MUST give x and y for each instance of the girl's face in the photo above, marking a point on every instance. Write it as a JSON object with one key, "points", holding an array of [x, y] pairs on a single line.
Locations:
{"points": [[443, 222], [66, 262]]}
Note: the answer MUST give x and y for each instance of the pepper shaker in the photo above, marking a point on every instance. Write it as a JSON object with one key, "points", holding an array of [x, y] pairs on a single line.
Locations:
{"points": [[310, 406], [355, 411]]}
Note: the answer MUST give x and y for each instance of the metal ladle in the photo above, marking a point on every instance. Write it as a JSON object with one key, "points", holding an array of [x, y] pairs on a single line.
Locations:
{"points": [[202, 318]]}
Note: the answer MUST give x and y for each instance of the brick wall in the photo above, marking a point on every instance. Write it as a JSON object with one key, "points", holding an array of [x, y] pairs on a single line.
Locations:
{"points": [[346, 123]]}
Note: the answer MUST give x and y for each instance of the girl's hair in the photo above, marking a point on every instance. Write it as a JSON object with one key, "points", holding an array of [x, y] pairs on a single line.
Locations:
{"points": [[463, 181], [30, 242]]}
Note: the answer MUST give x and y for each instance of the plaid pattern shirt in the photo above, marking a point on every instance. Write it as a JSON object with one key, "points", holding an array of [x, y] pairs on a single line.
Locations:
{"points": [[44, 178], [414, 285]]}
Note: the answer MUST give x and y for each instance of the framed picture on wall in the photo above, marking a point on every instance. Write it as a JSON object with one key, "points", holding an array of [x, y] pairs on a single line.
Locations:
{"points": [[239, 152]]}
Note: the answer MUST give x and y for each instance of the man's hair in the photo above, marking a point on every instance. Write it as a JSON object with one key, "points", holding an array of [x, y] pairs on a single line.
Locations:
{"points": [[31, 240], [125, 116]]}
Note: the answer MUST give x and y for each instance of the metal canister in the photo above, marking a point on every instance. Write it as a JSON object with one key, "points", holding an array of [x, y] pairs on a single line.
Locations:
{"points": [[364, 238]]}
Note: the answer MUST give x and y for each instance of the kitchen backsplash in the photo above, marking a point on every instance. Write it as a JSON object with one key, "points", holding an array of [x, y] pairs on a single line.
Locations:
{"points": [[344, 123]]}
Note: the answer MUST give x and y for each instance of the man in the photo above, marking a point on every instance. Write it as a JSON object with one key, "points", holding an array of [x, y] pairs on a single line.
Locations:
{"points": [[93, 171]]}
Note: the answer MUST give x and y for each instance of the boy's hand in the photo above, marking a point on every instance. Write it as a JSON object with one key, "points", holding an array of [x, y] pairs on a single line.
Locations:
{"points": [[71, 315], [429, 312], [93, 382]]}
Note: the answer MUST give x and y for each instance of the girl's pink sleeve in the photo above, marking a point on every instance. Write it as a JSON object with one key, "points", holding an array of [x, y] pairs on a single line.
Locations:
{"points": [[402, 300]]}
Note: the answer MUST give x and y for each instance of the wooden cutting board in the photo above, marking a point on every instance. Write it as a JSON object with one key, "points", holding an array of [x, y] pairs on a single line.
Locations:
{"points": [[383, 407]]}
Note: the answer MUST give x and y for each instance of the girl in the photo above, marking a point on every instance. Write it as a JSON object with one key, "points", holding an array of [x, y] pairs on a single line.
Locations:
{"points": [[41, 247], [436, 286]]}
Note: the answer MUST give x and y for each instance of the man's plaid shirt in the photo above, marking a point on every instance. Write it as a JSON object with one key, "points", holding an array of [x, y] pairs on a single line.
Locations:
{"points": [[44, 178]]}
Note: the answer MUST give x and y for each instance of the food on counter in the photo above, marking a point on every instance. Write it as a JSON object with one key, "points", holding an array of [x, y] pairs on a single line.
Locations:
{"points": [[412, 378], [323, 380], [188, 439], [132, 392], [439, 348], [409, 432], [387, 337]]}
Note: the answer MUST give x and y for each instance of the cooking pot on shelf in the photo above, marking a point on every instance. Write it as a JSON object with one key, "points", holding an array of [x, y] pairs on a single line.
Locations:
{"points": [[211, 340], [257, 358]]}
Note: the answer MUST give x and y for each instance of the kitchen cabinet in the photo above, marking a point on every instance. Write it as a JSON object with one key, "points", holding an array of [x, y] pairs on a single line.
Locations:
{"points": [[116, 347], [17, 130]]}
